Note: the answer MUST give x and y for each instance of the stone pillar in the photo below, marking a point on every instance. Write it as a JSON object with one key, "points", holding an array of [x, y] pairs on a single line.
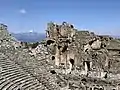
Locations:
{"points": [[106, 62], [107, 58], [57, 57], [47, 34], [70, 67], [86, 68], [90, 65], [63, 58]]}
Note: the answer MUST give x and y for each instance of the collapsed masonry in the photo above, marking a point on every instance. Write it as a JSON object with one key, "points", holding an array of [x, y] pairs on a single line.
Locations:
{"points": [[63, 44]]}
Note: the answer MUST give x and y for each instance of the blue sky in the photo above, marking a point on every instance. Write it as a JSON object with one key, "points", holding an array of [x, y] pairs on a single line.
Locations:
{"points": [[100, 16]]}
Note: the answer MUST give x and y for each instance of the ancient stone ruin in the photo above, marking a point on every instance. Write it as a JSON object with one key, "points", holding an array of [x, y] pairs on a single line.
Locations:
{"points": [[63, 41], [68, 59], [67, 50], [61, 38]]}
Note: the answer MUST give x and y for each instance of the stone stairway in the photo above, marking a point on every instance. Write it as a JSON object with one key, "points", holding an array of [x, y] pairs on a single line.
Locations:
{"points": [[13, 77]]}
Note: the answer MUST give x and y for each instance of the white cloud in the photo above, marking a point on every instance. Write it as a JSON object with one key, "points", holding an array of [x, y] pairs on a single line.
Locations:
{"points": [[31, 31], [23, 11]]}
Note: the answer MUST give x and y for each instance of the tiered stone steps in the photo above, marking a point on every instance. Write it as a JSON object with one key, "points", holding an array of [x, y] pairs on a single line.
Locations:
{"points": [[13, 77]]}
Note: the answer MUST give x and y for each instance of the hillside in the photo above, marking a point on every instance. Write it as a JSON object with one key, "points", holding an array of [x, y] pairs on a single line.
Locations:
{"points": [[29, 36]]}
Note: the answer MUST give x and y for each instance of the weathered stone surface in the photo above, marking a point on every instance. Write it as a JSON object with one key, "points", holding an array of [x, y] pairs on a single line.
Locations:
{"points": [[92, 56], [64, 47]]}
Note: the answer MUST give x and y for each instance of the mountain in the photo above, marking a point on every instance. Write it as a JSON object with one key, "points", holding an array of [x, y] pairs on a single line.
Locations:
{"points": [[29, 36], [116, 36]]}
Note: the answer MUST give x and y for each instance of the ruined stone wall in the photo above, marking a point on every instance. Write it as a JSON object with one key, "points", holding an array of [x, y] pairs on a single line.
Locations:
{"points": [[61, 38], [67, 46], [67, 43]]}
